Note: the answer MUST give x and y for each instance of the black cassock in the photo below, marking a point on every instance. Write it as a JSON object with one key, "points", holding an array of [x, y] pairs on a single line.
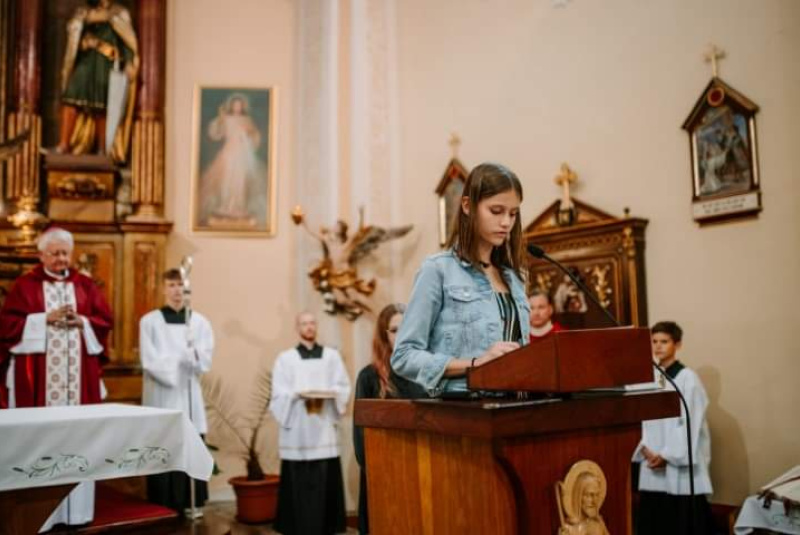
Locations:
{"points": [[311, 498]]}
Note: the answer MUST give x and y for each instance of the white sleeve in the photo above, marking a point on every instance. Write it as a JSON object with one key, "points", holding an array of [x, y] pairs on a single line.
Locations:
{"points": [[204, 346], [34, 335], [638, 456], [675, 451], [284, 399], [341, 383], [157, 365], [93, 346]]}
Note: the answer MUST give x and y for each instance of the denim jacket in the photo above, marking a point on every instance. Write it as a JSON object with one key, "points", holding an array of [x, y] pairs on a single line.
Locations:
{"points": [[452, 313]]}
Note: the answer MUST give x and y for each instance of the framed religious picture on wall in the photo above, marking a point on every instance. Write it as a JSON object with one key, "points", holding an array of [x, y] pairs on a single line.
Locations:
{"points": [[233, 161], [449, 191], [724, 155]]}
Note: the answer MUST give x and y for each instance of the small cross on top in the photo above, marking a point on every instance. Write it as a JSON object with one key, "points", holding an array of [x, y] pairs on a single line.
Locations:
{"points": [[566, 177], [454, 142], [713, 55]]}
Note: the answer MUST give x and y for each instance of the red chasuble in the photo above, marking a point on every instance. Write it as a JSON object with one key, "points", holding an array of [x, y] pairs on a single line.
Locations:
{"points": [[27, 296]]}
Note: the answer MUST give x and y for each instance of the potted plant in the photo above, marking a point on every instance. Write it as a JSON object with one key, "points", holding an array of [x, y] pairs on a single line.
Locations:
{"points": [[257, 492]]}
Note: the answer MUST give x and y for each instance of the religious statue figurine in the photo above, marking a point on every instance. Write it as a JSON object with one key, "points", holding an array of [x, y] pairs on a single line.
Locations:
{"points": [[568, 297], [98, 81], [336, 276], [580, 497]]}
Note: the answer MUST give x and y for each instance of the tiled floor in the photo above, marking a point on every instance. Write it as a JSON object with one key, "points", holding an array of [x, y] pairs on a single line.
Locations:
{"points": [[219, 519]]}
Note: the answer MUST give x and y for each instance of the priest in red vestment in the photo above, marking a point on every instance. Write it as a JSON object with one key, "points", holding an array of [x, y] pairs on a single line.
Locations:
{"points": [[53, 330], [541, 315]]}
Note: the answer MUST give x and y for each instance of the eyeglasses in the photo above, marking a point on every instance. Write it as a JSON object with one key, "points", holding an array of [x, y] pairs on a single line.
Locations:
{"points": [[56, 254]]}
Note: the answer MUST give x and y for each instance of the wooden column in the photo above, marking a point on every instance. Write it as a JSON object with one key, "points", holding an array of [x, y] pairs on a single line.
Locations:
{"points": [[6, 25], [148, 129], [23, 170]]}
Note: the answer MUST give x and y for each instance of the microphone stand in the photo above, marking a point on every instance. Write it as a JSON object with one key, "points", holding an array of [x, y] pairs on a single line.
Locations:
{"points": [[186, 269], [538, 252]]}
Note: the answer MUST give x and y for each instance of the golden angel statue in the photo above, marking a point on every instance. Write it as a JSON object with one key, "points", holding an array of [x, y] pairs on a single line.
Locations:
{"points": [[336, 275]]}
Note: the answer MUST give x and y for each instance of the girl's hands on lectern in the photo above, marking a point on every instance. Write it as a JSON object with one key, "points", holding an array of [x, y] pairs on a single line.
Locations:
{"points": [[497, 350]]}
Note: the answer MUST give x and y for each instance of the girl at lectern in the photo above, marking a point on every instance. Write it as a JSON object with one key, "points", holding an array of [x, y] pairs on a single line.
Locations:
{"points": [[468, 304]]}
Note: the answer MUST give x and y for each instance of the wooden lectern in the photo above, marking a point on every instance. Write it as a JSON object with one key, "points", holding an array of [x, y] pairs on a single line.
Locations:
{"points": [[439, 467], [571, 361]]}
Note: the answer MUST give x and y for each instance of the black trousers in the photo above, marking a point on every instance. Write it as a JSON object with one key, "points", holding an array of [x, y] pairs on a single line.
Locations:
{"points": [[311, 498], [666, 514], [171, 489]]}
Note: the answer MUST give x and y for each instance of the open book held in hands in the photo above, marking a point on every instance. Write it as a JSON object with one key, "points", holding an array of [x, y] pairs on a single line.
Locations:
{"points": [[318, 394]]}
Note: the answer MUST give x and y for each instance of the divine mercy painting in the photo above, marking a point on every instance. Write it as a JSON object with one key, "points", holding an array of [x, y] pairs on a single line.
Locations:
{"points": [[233, 180]]}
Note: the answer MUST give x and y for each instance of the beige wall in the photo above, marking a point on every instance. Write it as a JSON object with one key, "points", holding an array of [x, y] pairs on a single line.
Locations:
{"points": [[604, 86], [243, 285]]}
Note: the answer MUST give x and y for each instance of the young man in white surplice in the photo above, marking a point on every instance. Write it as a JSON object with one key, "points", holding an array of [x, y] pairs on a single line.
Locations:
{"points": [[666, 506], [173, 358], [310, 390]]}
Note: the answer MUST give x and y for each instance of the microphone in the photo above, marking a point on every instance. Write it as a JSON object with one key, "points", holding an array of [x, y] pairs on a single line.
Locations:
{"points": [[537, 252]]}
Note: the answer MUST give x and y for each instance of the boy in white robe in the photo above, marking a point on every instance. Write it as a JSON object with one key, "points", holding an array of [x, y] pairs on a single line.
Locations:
{"points": [[310, 390], [173, 358], [665, 505]]}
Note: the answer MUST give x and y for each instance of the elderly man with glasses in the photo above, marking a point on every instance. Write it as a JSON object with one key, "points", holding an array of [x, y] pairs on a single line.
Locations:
{"points": [[53, 330]]}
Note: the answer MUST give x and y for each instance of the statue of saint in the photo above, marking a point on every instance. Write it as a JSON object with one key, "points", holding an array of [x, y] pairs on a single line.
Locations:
{"points": [[580, 498], [98, 80]]}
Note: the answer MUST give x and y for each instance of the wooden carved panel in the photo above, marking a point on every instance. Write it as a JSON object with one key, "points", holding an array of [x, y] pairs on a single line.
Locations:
{"points": [[601, 274], [605, 252], [10, 269], [145, 262], [145, 259], [97, 257]]}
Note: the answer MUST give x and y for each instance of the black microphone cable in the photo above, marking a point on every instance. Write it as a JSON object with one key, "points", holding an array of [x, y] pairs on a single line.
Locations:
{"points": [[537, 252]]}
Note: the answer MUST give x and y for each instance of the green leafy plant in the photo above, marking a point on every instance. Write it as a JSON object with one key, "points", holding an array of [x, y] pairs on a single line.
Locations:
{"points": [[238, 430]]}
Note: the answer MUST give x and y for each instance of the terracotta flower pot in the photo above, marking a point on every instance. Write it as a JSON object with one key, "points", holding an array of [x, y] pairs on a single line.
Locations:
{"points": [[256, 501]]}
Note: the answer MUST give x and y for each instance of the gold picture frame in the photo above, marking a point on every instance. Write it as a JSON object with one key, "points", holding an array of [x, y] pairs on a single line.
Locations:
{"points": [[449, 191], [724, 155], [234, 161]]}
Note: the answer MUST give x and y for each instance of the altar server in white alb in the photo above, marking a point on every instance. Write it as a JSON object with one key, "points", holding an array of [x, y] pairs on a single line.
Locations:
{"points": [[173, 358], [310, 390], [665, 505]]}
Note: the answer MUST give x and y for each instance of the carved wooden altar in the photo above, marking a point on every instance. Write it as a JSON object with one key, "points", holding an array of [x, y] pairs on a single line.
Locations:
{"points": [[115, 211], [606, 252]]}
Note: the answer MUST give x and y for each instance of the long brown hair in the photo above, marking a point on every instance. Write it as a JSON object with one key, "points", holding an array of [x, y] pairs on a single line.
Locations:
{"points": [[487, 180], [382, 350]]}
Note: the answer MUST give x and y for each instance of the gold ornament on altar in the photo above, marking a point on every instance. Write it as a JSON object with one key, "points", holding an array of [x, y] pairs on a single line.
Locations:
{"points": [[580, 497], [336, 275], [27, 220], [566, 214], [297, 214]]}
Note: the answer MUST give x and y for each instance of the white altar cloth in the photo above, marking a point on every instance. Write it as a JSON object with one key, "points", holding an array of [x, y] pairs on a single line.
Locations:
{"points": [[774, 518], [46, 446]]}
